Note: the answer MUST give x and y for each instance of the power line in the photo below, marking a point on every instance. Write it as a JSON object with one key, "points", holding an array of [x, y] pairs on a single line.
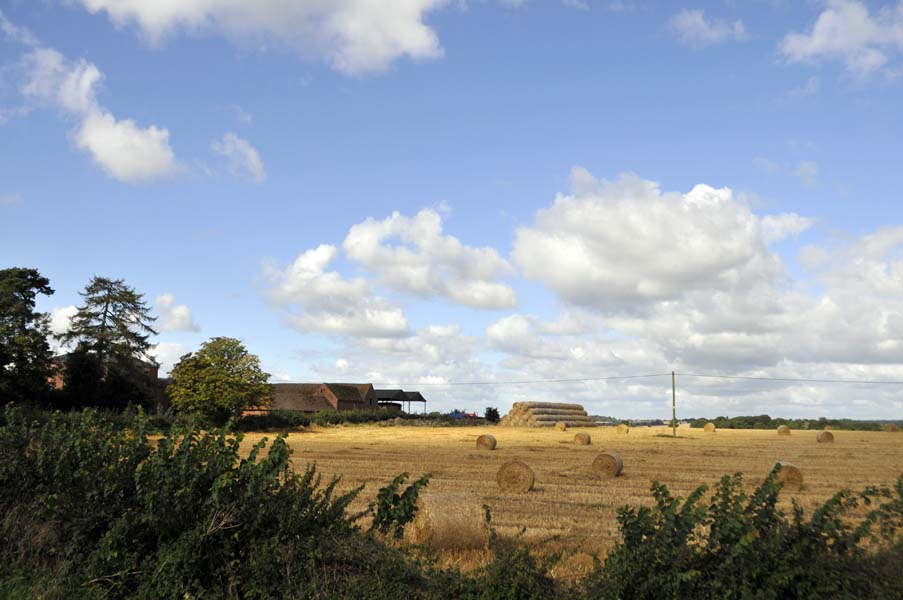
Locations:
{"points": [[515, 382], [625, 377], [793, 379]]}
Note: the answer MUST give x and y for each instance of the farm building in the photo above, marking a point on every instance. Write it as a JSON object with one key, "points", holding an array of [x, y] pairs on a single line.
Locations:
{"points": [[58, 368], [314, 397], [396, 399]]}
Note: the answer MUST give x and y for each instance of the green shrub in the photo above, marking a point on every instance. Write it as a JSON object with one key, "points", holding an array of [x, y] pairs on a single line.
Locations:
{"points": [[274, 419], [94, 510], [742, 546]]}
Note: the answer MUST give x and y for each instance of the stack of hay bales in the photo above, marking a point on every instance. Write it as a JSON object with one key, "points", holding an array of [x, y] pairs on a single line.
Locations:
{"points": [[546, 414]]}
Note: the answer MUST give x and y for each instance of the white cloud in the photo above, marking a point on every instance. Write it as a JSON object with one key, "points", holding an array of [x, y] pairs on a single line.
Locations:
{"points": [[845, 31], [242, 156], [167, 354], [354, 36], [14, 33], [779, 227], [124, 150], [60, 318], [428, 263], [693, 29], [174, 317], [623, 244], [324, 301], [807, 171]]}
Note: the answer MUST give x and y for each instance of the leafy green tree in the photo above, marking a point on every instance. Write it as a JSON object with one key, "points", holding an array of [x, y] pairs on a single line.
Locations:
{"points": [[115, 322], [219, 380], [24, 352], [491, 414]]}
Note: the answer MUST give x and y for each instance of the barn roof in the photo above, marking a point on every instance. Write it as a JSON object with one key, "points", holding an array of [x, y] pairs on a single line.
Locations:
{"points": [[299, 396], [414, 397], [347, 392], [386, 395]]}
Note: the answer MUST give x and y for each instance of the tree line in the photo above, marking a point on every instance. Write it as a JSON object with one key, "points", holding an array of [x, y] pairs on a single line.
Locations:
{"points": [[110, 364]]}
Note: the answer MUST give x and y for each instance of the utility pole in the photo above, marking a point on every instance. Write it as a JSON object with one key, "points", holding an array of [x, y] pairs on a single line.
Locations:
{"points": [[673, 405]]}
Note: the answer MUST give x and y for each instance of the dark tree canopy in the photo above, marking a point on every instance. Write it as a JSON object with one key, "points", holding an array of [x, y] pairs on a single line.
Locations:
{"points": [[24, 352], [491, 414], [114, 322]]}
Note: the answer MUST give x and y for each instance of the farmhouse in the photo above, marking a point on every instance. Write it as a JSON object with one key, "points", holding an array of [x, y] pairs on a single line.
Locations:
{"points": [[58, 369]]}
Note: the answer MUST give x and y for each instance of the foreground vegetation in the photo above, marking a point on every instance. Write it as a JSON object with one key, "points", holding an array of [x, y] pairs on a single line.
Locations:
{"points": [[95, 510]]}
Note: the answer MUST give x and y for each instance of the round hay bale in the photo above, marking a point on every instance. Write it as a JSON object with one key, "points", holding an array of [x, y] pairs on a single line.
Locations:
{"points": [[829, 427], [516, 476], [790, 475], [448, 521], [608, 464], [783, 430], [561, 426], [709, 427], [486, 442], [892, 428], [825, 437], [623, 428], [582, 439]]}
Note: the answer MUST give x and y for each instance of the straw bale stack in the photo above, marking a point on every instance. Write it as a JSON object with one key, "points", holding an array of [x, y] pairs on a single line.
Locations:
{"points": [[546, 414], [448, 521]]}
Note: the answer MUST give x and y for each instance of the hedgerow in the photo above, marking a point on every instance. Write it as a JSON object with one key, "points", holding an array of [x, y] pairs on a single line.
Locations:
{"points": [[94, 509]]}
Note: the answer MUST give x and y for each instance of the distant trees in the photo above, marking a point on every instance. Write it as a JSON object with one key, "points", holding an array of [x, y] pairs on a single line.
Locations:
{"points": [[491, 414], [112, 332], [219, 381], [24, 352]]}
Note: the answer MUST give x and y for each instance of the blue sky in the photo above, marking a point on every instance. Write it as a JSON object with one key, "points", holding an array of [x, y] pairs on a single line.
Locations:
{"points": [[582, 190]]}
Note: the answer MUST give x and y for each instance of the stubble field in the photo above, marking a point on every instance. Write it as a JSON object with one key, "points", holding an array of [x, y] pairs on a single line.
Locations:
{"points": [[569, 510]]}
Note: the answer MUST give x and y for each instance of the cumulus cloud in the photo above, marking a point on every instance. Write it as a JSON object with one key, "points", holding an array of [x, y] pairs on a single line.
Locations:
{"points": [[846, 31], [693, 29], [174, 317], [324, 301], [167, 354], [60, 318], [428, 263], [354, 36], [242, 156], [124, 150], [623, 244]]}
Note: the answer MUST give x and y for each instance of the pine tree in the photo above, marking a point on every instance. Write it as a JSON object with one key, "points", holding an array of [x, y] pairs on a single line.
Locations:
{"points": [[114, 326], [24, 352], [115, 322]]}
